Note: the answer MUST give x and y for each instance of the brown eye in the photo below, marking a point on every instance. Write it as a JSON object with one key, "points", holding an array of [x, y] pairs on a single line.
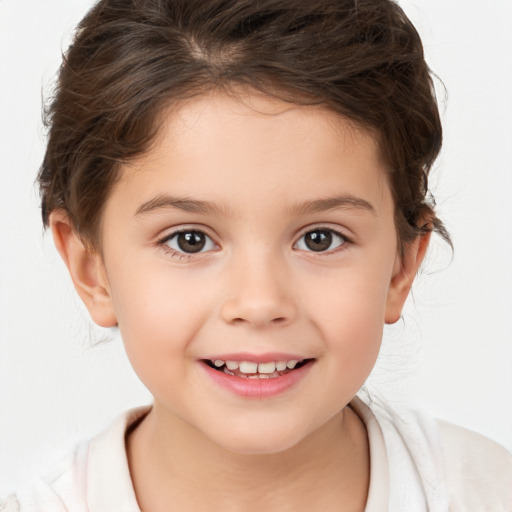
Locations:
{"points": [[190, 242], [320, 240]]}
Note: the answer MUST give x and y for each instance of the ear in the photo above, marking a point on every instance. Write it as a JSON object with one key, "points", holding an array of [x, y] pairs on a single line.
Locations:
{"points": [[404, 272], [86, 269]]}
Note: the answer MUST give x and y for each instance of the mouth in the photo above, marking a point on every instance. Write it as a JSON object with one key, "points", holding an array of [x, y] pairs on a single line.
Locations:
{"points": [[254, 370]]}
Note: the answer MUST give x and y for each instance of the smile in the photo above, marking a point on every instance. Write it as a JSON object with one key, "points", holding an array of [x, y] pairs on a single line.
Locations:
{"points": [[254, 370]]}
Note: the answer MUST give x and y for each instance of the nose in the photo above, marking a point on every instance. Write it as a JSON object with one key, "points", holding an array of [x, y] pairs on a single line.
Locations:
{"points": [[260, 294]]}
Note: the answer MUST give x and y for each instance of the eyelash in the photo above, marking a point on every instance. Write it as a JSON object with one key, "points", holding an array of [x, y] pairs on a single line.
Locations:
{"points": [[181, 255], [344, 240]]}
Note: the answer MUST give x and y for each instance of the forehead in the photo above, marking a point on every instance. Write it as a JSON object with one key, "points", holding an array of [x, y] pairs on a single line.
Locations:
{"points": [[230, 149]]}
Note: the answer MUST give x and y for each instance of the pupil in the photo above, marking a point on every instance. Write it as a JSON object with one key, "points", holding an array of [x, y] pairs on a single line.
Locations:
{"points": [[191, 241], [318, 240]]}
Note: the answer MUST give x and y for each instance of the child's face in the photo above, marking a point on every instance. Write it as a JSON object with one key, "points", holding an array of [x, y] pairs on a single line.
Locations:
{"points": [[287, 251]]}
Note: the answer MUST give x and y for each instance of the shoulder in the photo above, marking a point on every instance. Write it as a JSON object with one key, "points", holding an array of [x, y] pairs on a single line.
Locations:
{"points": [[478, 470], [11, 504], [95, 472], [62, 490], [453, 468]]}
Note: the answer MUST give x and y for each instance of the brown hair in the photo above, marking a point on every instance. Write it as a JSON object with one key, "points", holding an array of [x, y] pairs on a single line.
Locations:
{"points": [[362, 59]]}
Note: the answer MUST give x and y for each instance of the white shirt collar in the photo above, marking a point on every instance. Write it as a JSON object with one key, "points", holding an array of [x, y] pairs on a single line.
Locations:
{"points": [[109, 484]]}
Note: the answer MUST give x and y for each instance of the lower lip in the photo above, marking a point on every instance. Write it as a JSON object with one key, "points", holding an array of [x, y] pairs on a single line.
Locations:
{"points": [[257, 388]]}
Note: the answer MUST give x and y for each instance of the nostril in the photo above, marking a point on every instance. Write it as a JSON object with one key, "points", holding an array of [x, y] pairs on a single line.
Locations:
{"points": [[276, 321], [251, 310]]}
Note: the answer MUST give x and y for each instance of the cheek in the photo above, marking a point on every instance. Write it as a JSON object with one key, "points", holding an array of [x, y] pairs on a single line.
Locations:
{"points": [[353, 296], [354, 336], [349, 314], [355, 329], [158, 317]]}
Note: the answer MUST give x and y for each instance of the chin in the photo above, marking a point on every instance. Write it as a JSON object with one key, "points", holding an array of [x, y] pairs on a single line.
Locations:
{"points": [[256, 440]]}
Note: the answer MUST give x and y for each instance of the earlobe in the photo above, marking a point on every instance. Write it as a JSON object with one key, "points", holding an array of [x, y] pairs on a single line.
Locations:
{"points": [[404, 272], [86, 269]]}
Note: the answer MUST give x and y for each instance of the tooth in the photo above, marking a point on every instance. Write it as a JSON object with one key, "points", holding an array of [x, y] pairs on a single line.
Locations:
{"points": [[264, 376], [218, 363], [281, 366], [232, 365], [253, 376], [225, 370], [292, 364], [267, 367], [247, 367]]}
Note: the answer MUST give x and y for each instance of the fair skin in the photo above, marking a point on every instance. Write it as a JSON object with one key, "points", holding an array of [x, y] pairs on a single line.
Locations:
{"points": [[293, 258]]}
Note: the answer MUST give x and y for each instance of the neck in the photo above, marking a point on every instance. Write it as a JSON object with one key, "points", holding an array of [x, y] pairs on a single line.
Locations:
{"points": [[172, 463]]}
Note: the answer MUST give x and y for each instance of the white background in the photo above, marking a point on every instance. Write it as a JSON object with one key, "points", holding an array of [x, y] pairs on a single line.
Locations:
{"points": [[452, 354]]}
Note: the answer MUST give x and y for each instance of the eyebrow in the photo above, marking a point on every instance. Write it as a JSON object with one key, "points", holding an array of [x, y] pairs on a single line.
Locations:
{"points": [[344, 201], [181, 203]]}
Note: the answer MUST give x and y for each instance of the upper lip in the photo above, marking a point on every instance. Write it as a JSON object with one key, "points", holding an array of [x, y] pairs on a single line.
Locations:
{"points": [[256, 358]]}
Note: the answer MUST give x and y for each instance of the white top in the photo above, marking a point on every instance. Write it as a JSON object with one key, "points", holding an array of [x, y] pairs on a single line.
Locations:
{"points": [[417, 464]]}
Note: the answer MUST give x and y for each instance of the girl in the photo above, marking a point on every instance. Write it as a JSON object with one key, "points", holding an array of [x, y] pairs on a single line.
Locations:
{"points": [[241, 188]]}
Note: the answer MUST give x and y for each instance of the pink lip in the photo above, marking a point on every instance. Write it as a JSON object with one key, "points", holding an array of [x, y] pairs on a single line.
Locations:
{"points": [[256, 388]]}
